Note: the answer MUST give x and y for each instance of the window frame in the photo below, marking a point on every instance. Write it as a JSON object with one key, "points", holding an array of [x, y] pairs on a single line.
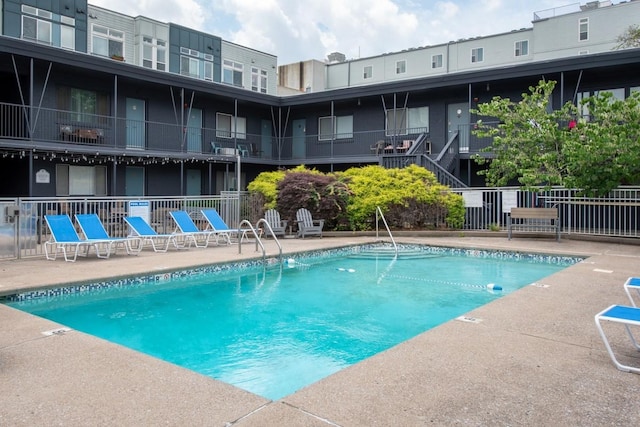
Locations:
{"points": [[407, 116], [437, 61], [259, 80], [401, 66], [367, 72], [339, 127], [583, 22], [114, 38], [233, 69], [477, 55], [521, 48], [229, 131]]}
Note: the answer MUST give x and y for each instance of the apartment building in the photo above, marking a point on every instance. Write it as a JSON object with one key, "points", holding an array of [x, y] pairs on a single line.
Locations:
{"points": [[98, 103]]}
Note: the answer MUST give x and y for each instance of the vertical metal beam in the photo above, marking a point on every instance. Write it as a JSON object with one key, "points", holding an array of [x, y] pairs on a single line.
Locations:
{"points": [[114, 178], [333, 133]]}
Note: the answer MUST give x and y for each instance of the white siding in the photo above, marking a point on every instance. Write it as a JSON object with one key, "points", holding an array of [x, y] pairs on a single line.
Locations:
{"points": [[116, 21], [550, 38], [251, 58]]}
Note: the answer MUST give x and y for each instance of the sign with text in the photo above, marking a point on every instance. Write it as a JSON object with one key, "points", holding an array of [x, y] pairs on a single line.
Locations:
{"points": [[140, 208]]}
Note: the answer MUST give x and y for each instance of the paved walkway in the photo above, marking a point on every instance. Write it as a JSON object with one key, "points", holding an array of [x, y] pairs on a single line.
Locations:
{"points": [[535, 358]]}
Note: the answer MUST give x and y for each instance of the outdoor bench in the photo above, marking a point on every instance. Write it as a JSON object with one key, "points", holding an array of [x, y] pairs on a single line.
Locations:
{"points": [[541, 219]]}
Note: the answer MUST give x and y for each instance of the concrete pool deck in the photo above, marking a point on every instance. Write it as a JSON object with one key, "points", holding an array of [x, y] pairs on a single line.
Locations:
{"points": [[533, 358]]}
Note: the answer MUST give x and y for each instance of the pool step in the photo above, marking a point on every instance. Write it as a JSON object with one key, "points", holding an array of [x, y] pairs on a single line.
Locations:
{"points": [[388, 252]]}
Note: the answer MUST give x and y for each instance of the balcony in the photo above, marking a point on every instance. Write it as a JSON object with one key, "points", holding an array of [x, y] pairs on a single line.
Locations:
{"points": [[66, 131]]}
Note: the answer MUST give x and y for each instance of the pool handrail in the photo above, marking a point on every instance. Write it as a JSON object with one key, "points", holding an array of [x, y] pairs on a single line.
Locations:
{"points": [[268, 226], [379, 213]]}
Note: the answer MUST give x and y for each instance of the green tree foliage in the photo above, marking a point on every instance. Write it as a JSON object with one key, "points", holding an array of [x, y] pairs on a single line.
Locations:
{"points": [[527, 143], [604, 151], [535, 147], [348, 200], [630, 38], [265, 185], [408, 197]]}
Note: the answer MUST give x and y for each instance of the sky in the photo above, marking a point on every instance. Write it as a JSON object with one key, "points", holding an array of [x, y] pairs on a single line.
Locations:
{"points": [[299, 30]]}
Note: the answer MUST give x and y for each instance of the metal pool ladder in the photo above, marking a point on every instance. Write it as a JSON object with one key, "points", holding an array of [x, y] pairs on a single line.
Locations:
{"points": [[242, 231], [379, 215]]}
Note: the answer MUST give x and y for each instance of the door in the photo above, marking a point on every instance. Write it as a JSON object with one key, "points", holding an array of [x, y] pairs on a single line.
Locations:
{"points": [[134, 181], [194, 131], [194, 182], [135, 124], [458, 120], [298, 142], [265, 139]]}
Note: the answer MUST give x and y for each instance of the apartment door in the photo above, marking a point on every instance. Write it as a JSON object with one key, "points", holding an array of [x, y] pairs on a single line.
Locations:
{"points": [[458, 120], [298, 142], [194, 182], [134, 181], [135, 132], [265, 139], [194, 131]]}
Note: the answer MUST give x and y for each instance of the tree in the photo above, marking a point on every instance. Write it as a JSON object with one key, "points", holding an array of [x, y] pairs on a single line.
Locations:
{"points": [[603, 152], [535, 146], [527, 143], [630, 38]]}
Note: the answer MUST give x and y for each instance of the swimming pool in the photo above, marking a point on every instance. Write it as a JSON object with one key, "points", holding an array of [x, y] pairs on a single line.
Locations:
{"points": [[272, 331]]}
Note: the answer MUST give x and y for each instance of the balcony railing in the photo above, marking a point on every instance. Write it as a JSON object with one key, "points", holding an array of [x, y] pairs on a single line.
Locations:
{"points": [[77, 129]]}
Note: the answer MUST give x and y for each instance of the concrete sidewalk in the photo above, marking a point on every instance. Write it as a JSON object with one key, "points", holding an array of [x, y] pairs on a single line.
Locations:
{"points": [[534, 358]]}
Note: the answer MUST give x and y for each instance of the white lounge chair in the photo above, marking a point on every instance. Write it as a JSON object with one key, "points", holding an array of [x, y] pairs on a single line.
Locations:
{"points": [[159, 242], [632, 283], [93, 229], [627, 316], [278, 226], [65, 239], [307, 226], [188, 228]]}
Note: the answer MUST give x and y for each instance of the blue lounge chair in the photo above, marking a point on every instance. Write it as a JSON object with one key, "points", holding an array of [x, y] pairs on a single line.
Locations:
{"points": [[627, 316], [159, 242], [632, 283], [190, 230], [215, 222], [65, 239], [307, 226], [93, 229]]}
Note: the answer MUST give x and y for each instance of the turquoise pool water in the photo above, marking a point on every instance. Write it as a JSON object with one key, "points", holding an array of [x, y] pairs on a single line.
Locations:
{"points": [[273, 331]]}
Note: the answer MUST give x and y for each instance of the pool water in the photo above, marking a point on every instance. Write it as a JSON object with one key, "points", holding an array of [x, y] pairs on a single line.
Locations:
{"points": [[273, 331]]}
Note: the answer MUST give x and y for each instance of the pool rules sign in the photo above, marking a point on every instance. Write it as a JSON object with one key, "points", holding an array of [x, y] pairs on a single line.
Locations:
{"points": [[140, 208]]}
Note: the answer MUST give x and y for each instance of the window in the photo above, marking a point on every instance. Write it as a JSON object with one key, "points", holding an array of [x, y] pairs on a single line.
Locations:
{"points": [[81, 180], [85, 106], [107, 42], [403, 121], [232, 72], [477, 54], [191, 63], [189, 67], [583, 29], [226, 126], [33, 27], [258, 80], [401, 67], [522, 48], [154, 53], [436, 61], [335, 127], [42, 26], [367, 72]]}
